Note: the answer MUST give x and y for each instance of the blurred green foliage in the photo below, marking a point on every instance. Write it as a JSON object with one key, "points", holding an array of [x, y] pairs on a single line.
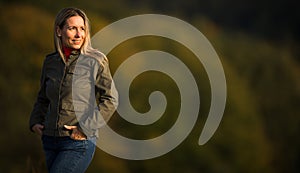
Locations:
{"points": [[259, 130]]}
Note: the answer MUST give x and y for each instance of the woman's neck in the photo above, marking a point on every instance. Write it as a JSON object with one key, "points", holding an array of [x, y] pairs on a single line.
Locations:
{"points": [[67, 51]]}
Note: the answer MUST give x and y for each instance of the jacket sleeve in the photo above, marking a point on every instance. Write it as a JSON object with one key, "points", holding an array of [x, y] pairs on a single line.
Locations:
{"points": [[41, 105], [106, 93]]}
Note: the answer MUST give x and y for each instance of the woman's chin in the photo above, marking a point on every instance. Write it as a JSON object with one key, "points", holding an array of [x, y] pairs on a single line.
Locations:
{"points": [[75, 46]]}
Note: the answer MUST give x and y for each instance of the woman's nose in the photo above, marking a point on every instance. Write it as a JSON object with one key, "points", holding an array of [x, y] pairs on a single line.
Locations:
{"points": [[78, 34]]}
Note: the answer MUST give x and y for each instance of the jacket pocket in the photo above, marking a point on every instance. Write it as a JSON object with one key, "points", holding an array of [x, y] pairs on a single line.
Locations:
{"points": [[82, 79]]}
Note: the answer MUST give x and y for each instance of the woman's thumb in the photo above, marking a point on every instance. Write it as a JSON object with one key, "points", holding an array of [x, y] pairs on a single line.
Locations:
{"points": [[70, 127]]}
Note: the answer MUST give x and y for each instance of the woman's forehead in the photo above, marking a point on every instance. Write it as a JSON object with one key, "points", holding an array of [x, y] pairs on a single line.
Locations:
{"points": [[75, 20]]}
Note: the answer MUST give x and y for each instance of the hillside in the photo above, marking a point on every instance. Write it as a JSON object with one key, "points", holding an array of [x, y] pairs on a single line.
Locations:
{"points": [[259, 130]]}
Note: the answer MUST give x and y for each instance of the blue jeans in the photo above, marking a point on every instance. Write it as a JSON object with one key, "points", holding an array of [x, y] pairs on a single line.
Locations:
{"points": [[65, 155]]}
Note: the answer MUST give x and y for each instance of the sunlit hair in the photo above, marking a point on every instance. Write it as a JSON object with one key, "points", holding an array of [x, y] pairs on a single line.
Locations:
{"points": [[60, 22]]}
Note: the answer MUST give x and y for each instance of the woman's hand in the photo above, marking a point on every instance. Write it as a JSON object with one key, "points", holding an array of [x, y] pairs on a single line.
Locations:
{"points": [[38, 129], [76, 134]]}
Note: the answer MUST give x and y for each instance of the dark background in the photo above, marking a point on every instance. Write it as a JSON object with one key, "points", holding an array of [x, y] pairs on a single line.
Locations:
{"points": [[257, 42]]}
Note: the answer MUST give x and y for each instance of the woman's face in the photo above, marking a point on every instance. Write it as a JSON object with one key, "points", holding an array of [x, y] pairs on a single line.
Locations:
{"points": [[73, 32]]}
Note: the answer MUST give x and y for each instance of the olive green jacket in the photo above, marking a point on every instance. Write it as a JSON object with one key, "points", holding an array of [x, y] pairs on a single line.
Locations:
{"points": [[80, 92]]}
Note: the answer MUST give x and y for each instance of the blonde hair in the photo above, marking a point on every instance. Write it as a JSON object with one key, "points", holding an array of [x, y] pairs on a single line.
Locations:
{"points": [[60, 21]]}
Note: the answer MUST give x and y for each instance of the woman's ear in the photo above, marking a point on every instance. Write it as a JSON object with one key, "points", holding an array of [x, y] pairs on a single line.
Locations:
{"points": [[58, 31]]}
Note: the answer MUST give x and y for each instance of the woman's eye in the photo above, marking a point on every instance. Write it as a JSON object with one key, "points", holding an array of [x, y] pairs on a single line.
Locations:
{"points": [[71, 28]]}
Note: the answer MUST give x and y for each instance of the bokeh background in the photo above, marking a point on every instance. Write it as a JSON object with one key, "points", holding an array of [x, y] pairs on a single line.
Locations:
{"points": [[257, 42]]}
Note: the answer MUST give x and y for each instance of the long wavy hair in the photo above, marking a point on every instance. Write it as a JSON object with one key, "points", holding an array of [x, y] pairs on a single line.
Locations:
{"points": [[60, 21]]}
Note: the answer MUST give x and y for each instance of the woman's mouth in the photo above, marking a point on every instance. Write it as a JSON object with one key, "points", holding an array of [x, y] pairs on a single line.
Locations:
{"points": [[76, 41]]}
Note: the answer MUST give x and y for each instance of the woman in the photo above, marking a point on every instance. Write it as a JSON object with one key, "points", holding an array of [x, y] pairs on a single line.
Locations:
{"points": [[76, 97]]}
